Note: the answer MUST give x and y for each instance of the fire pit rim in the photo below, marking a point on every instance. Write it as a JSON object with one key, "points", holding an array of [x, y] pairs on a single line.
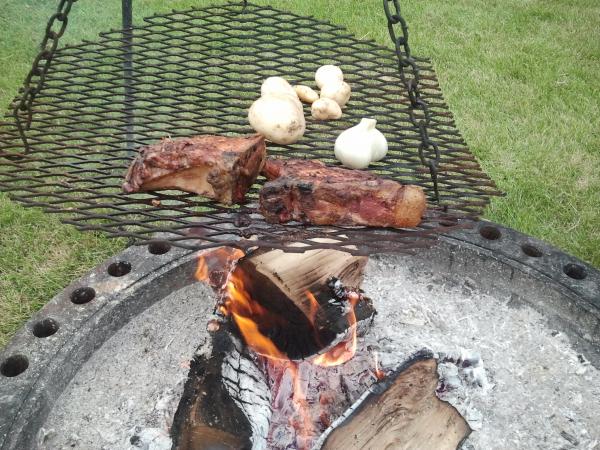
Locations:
{"points": [[27, 397]]}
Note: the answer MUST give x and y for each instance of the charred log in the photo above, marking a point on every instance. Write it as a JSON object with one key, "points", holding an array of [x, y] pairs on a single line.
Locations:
{"points": [[305, 312], [213, 411], [294, 274], [401, 411]]}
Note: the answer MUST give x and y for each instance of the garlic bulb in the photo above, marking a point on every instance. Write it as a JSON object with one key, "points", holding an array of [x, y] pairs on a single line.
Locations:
{"points": [[328, 74], [360, 145]]}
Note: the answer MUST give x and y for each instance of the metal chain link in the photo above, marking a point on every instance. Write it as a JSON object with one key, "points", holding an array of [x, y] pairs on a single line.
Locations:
{"points": [[35, 79], [420, 115]]}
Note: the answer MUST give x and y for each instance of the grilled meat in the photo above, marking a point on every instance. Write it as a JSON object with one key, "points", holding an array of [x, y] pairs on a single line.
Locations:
{"points": [[218, 167], [311, 192]]}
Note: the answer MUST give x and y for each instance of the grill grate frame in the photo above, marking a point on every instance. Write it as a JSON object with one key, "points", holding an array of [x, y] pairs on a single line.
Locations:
{"points": [[197, 72]]}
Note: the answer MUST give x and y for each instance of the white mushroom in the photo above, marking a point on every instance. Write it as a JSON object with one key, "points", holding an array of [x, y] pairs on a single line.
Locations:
{"points": [[339, 92], [306, 94], [278, 118], [326, 109], [279, 86], [276, 85], [328, 74]]}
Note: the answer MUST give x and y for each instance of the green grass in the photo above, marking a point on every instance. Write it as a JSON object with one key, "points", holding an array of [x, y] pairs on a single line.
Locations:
{"points": [[521, 77]]}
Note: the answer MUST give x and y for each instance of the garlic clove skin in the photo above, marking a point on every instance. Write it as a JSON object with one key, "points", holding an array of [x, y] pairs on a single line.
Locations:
{"points": [[328, 74], [379, 145], [338, 92], [353, 153], [360, 145]]}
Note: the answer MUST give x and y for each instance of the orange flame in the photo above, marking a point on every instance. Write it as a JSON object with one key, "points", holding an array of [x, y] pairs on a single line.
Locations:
{"points": [[220, 260], [250, 316], [242, 308], [302, 407], [345, 350], [378, 372], [313, 307]]}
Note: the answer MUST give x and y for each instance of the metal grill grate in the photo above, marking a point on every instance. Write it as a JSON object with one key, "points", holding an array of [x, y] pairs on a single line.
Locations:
{"points": [[197, 72]]}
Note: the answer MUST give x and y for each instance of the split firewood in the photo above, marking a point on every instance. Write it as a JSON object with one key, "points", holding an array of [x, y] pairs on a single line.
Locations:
{"points": [[296, 273], [224, 388], [294, 286], [401, 412]]}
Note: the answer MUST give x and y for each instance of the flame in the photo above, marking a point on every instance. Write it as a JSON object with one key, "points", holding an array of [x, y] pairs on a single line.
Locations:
{"points": [[251, 317], [313, 308], [344, 351], [379, 374], [202, 269], [302, 407], [245, 312], [255, 339], [218, 261]]}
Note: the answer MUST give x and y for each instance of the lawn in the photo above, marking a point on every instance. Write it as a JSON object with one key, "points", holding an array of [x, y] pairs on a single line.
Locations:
{"points": [[521, 77]]}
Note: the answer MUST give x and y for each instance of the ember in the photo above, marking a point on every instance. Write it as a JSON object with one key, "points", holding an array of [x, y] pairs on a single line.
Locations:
{"points": [[379, 374], [295, 355], [215, 265]]}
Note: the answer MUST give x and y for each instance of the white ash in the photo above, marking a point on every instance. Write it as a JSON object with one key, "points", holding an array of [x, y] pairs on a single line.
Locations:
{"points": [[327, 392], [246, 385], [541, 395], [459, 373], [126, 394], [150, 439]]}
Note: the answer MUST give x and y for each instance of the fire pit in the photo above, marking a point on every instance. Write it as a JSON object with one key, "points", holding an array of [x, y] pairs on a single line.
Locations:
{"points": [[107, 362], [329, 345]]}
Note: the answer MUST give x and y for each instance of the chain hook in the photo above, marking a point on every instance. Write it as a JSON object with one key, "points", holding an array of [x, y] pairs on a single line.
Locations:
{"points": [[34, 82], [411, 78]]}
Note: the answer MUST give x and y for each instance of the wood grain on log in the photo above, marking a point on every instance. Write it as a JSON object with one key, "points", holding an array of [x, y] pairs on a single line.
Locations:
{"points": [[400, 412], [293, 274], [289, 284], [211, 413]]}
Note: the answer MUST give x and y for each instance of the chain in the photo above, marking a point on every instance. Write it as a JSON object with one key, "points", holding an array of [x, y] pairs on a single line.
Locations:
{"points": [[35, 79], [419, 113]]}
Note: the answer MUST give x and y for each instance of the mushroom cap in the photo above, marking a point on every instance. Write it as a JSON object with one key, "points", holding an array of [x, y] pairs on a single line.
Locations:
{"points": [[277, 118], [328, 74]]}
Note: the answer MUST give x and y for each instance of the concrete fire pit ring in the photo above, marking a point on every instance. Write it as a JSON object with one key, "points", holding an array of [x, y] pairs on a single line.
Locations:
{"points": [[45, 355]]}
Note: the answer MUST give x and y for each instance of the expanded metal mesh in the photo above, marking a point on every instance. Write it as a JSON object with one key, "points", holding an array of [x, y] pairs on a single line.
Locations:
{"points": [[197, 72]]}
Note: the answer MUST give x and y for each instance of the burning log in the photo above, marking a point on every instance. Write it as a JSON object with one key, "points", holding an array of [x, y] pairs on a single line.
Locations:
{"points": [[236, 397], [224, 389], [304, 312], [401, 411]]}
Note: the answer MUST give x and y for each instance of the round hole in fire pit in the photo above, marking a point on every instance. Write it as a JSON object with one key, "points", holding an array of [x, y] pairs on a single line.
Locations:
{"points": [[159, 247], [449, 222], [575, 271], [119, 268], [83, 295], [490, 233], [14, 365], [45, 328], [531, 250]]}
